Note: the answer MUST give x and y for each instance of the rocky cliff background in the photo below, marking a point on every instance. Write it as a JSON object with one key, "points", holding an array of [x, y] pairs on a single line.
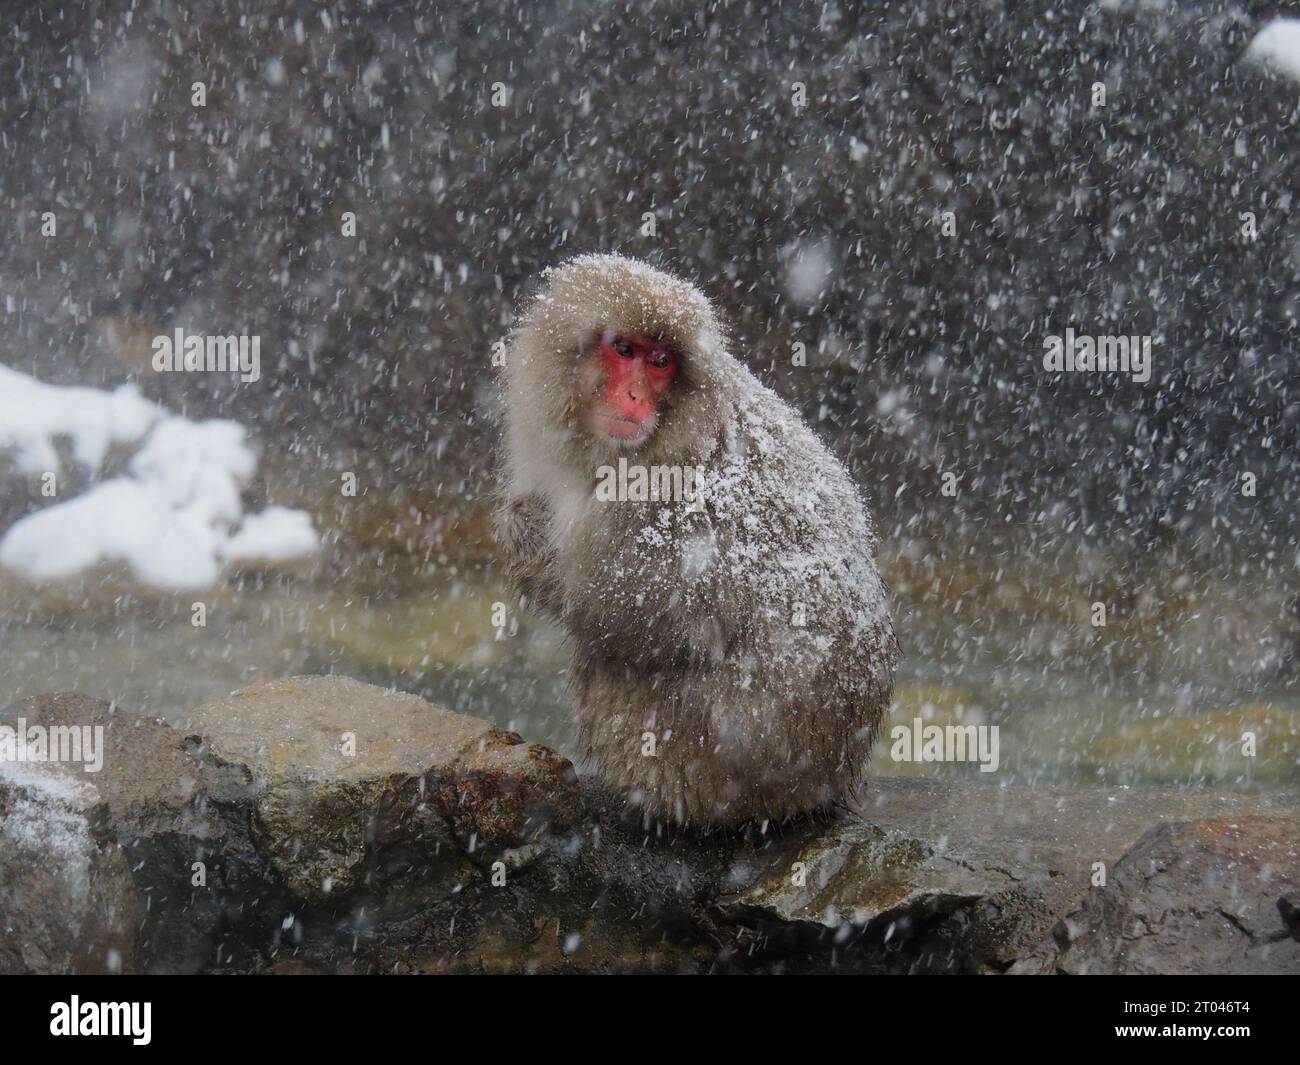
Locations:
{"points": [[815, 224]]}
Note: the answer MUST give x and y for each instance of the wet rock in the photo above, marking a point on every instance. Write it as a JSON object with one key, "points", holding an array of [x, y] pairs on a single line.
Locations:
{"points": [[67, 902], [1289, 908], [887, 899], [939, 876], [351, 787], [853, 874], [320, 824], [145, 777], [607, 895], [504, 795], [149, 808], [1210, 896]]}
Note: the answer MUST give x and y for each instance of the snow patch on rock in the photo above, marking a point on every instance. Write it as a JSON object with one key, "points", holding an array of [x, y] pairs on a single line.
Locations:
{"points": [[48, 816]]}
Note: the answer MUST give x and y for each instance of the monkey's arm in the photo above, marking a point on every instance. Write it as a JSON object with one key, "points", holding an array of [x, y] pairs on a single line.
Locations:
{"points": [[522, 525]]}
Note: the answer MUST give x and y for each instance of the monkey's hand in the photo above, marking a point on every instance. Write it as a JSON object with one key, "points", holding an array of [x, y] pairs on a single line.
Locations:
{"points": [[523, 526]]}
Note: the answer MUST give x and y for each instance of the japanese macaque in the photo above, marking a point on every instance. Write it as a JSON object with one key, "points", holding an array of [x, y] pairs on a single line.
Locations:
{"points": [[732, 648]]}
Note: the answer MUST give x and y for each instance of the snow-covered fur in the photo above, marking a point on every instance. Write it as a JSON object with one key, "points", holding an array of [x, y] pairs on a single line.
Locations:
{"points": [[732, 660]]}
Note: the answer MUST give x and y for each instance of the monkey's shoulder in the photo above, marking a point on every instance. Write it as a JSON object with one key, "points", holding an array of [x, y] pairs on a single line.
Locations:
{"points": [[770, 468]]}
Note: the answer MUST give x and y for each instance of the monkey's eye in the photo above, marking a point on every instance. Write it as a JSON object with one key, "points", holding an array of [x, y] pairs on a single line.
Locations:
{"points": [[623, 348], [660, 359]]}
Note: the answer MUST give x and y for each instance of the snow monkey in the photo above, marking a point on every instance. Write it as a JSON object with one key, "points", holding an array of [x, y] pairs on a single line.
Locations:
{"points": [[732, 648]]}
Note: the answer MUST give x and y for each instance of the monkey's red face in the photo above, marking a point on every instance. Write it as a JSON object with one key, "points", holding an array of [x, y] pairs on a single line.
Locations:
{"points": [[635, 374]]}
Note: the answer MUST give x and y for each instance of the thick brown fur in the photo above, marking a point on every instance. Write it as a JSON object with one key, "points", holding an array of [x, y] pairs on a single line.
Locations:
{"points": [[732, 660]]}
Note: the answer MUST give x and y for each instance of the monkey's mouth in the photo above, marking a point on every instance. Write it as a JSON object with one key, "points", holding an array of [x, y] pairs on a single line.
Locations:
{"points": [[624, 430]]}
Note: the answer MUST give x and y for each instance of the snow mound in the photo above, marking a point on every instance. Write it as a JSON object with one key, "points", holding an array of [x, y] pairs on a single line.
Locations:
{"points": [[175, 518], [1277, 47], [275, 535], [33, 414]]}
